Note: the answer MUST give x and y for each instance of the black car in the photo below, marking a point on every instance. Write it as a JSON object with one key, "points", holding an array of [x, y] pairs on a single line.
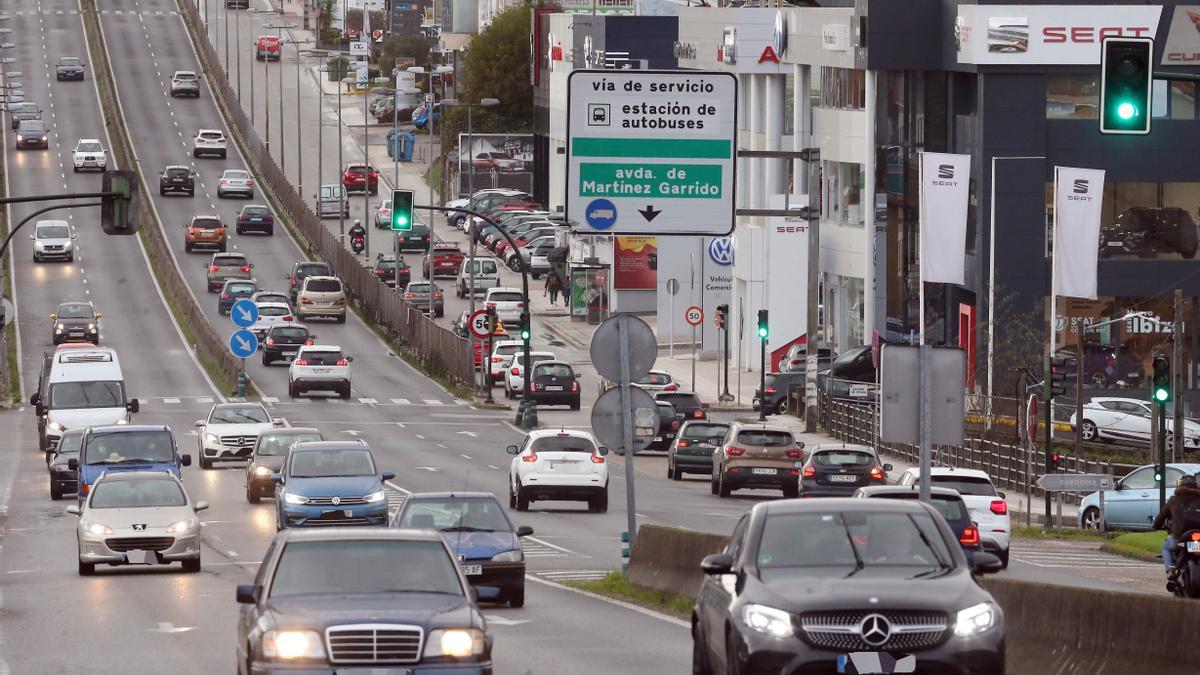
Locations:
{"points": [[24, 111], [75, 322], [33, 134], [692, 451], [480, 534], [63, 479], [283, 341], [841, 585], [668, 426], [234, 290], [947, 501], [687, 405], [839, 470], [270, 452], [177, 179], [392, 270], [375, 599], [414, 239], [256, 218], [554, 383], [778, 387], [302, 269], [1147, 232], [853, 365], [68, 68]]}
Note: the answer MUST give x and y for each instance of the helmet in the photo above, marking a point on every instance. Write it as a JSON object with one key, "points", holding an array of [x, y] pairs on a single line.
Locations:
{"points": [[357, 221], [1186, 480]]}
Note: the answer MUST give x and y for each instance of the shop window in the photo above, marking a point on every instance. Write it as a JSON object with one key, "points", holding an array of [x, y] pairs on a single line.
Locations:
{"points": [[842, 193], [843, 88], [1145, 220], [1077, 96], [1173, 100]]}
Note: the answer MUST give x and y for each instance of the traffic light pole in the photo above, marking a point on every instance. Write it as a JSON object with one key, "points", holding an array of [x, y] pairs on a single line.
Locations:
{"points": [[762, 379], [1048, 397], [46, 198], [1162, 456]]}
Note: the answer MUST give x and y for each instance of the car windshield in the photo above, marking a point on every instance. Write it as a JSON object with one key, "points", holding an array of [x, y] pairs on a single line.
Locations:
{"points": [[68, 61], [705, 431], [153, 446], [272, 311], [324, 285], [332, 463], [95, 394], [91, 146], [79, 311], [178, 173], [322, 357], [31, 128], [125, 494], [477, 514], [290, 332], [369, 567], [846, 542], [53, 232], [552, 370], [655, 378], [680, 400], [563, 443], [967, 485], [765, 437], [951, 508], [277, 445], [846, 458], [847, 356], [70, 443], [506, 296], [239, 414], [181, 75]]}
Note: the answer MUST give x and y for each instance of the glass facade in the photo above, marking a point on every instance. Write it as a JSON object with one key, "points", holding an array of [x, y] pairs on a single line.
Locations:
{"points": [[1077, 96], [842, 88], [1145, 220], [842, 193]]}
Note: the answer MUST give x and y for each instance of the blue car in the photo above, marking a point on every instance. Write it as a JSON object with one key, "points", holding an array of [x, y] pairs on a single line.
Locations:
{"points": [[948, 502], [420, 116], [1132, 504], [481, 535], [330, 483], [126, 447]]}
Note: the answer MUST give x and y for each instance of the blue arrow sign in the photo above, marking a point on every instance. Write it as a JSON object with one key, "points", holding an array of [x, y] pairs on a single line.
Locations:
{"points": [[243, 343], [244, 312]]}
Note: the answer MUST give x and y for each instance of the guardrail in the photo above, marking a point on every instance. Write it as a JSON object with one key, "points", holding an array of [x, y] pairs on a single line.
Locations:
{"points": [[439, 347]]}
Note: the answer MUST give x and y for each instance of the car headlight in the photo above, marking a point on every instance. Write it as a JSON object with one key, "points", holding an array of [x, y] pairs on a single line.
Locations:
{"points": [[515, 555], [182, 526], [59, 328], [97, 529], [295, 499], [262, 471], [976, 619], [292, 644], [91, 327], [768, 620], [456, 642], [54, 426], [375, 497], [211, 439]]}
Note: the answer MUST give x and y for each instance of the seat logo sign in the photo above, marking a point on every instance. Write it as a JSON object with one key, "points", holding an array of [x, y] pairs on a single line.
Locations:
{"points": [[945, 176], [875, 629], [1080, 186], [720, 250]]}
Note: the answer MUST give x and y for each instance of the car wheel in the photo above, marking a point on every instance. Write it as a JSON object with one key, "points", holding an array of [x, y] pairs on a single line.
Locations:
{"points": [[74, 169], [700, 665], [1091, 518], [271, 231], [1088, 431], [86, 569], [516, 597], [265, 361], [192, 192], [512, 497], [345, 393], [722, 489], [71, 257], [522, 498], [223, 154], [293, 392], [791, 491], [191, 565], [670, 470], [37, 258], [599, 504], [222, 249], [195, 154], [341, 319], [205, 464], [238, 229], [187, 248], [251, 495], [575, 405], [781, 408]]}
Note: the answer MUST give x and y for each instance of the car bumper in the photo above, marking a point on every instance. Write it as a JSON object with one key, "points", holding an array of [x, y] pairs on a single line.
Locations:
{"points": [[809, 488], [99, 166], [244, 191], [33, 144], [219, 453], [413, 244], [268, 668], [512, 316], [581, 486], [555, 397], [320, 383], [69, 76], [318, 516], [993, 542], [175, 187], [55, 255], [694, 463], [95, 549], [497, 576], [87, 336], [306, 311], [744, 477]]}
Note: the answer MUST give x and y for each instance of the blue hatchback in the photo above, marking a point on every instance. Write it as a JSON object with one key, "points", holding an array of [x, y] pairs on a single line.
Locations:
{"points": [[330, 483], [1132, 504], [126, 447]]}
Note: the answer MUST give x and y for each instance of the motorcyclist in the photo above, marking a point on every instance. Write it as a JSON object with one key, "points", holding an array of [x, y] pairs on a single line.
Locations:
{"points": [[357, 231], [1183, 510]]}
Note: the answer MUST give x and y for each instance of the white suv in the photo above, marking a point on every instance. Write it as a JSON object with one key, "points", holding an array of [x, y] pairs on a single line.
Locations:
{"points": [[987, 505], [209, 142], [558, 464], [89, 154], [501, 357], [231, 431], [508, 303], [320, 367]]}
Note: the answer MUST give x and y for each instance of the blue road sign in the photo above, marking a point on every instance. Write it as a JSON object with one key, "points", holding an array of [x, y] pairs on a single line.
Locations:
{"points": [[601, 214], [243, 343], [244, 313]]}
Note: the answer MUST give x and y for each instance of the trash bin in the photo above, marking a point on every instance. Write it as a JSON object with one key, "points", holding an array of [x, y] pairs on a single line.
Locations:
{"points": [[401, 144]]}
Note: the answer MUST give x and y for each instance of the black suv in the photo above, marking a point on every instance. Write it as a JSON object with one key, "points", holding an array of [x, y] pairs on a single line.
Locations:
{"points": [[68, 68], [1147, 232], [778, 387], [177, 179], [687, 405], [303, 269], [283, 340]]}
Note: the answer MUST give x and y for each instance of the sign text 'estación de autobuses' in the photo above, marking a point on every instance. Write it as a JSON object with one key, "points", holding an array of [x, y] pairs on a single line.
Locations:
{"points": [[651, 152]]}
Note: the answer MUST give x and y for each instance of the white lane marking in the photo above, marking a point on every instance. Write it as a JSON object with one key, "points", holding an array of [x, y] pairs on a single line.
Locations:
{"points": [[400, 401], [466, 457]]}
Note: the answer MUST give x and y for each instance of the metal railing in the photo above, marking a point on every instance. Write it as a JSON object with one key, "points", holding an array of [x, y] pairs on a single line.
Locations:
{"points": [[441, 349]]}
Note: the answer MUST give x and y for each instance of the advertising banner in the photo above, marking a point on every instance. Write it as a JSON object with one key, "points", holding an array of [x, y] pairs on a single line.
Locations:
{"points": [[495, 161], [945, 184], [635, 263], [1047, 34], [1079, 194]]}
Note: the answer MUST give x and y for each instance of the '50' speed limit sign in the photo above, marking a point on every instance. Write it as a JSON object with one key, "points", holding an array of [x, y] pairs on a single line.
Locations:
{"points": [[694, 315], [480, 324]]}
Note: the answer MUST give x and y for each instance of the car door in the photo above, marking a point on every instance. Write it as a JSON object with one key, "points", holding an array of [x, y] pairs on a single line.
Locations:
{"points": [[1135, 491], [717, 594], [1131, 421]]}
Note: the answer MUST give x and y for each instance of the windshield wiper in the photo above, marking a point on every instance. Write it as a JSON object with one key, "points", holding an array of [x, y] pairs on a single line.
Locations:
{"points": [[929, 573], [858, 561], [929, 544], [466, 528]]}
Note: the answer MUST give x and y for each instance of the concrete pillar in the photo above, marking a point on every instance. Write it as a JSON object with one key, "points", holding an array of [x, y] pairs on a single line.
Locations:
{"points": [[867, 199], [755, 175], [801, 124], [743, 141], [775, 176]]}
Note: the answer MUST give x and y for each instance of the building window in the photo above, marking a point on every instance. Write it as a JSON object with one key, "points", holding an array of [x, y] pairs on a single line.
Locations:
{"points": [[1077, 96], [789, 104], [843, 88], [841, 199]]}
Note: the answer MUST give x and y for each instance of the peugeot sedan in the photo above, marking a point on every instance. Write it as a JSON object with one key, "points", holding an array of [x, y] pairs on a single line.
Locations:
{"points": [[330, 483]]}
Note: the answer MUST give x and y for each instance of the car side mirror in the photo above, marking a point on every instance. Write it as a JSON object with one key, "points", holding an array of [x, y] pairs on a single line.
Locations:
{"points": [[277, 421], [800, 444], [53, 316], [603, 451], [199, 423], [986, 563], [247, 594], [73, 464], [389, 475], [512, 450], [134, 405], [704, 406], [74, 236], [998, 492], [185, 460], [717, 563], [200, 506], [99, 315], [1118, 486], [524, 531], [73, 509], [887, 467], [31, 237]]}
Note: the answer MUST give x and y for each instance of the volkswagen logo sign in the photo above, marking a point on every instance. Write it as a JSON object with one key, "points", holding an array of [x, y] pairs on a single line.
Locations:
{"points": [[336, 501], [875, 629], [720, 250]]}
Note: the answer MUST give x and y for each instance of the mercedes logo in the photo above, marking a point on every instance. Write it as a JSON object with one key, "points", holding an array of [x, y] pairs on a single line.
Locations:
{"points": [[337, 500], [875, 630]]}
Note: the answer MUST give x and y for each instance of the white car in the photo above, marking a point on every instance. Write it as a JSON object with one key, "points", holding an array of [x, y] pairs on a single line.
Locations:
{"points": [[987, 505], [514, 375], [501, 357], [1108, 418], [235, 182], [209, 142], [656, 381], [138, 518], [89, 154], [560, 464], [270, 314], [321, 367], [508, 303], [231, 430], [53, 239]]}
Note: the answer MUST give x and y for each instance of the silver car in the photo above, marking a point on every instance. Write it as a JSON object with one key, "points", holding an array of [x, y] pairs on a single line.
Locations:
{"points": [[185, 83], [138, 518]]}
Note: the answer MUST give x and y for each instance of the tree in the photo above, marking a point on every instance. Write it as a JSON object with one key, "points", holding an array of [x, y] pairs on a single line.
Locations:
{"points": [[326, 32]]}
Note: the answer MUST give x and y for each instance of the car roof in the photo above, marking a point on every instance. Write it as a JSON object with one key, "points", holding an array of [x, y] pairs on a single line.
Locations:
{"points": [[1125, 399], [235, 282], [77, 303], [127, 428], [87, 140], [675, 393], [504, 289], [352, 533], [555, 362], [319, 446], [233, 405], [231, 254], [761, 426], [185, 72], [840, 504], [320, 277], [872, 490], [451, 495], [210, 131], [842, 446], [321, 348], [177, 166], [954, 471]]}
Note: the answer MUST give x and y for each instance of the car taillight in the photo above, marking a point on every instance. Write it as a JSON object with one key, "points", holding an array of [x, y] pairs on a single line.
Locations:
{"points": [[490, 305], [250, 183], [293, 282], [531, 457], [574, 386], [496, 359], [877, 472], [212, 268], [301, 362], [794, 453], [597, 459], [339, 301], [698, 414], [408, 296], [734, 451], [970, 536], [270, 342], [288, 318], [305, 301], [520, 305], [245, 268], [225, 296], [808, 471], [671, 387], [437, 295], [1196, 536], [675, 424], [683, 444], [533, 386], [86, 488], [343, 362], [516, 371], [999, 507], [770, 390], [223, 181], [221, 233]]}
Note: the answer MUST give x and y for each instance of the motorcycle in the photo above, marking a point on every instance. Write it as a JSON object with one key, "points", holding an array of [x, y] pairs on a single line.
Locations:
{"points": [[1186, 583], [358, 243]]}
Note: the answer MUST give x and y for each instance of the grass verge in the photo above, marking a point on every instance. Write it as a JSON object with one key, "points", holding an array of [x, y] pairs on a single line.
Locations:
{"points": [[616, 586], [11, 389], [1071, 533], [1139, 545]]}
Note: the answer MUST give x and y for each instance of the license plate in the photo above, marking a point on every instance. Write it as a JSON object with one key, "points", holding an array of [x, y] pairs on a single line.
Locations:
{"points": [[554, 388], [291, 353], [1193, 547], [843, 478], [472, 570], [141, 558], [765, 472], [658, 439], [1134, 374], [1114, 244], [875, 663], [321, 371]]}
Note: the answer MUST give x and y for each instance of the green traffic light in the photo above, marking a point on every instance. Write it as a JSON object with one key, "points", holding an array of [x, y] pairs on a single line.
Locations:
{"points": [[1126, 111], [1161, 395], [762, 332]]}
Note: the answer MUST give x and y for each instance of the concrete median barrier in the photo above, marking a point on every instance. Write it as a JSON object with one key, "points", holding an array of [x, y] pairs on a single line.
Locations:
{"points": [[668, 558]]}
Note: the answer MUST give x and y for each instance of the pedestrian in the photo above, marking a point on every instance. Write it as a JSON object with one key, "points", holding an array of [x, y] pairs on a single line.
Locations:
{"points": [[553, 286]]}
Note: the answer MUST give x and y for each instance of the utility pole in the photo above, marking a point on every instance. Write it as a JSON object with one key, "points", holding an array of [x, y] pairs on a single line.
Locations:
{"points": [[1176, 379], [810, 157], [1079, 395]]}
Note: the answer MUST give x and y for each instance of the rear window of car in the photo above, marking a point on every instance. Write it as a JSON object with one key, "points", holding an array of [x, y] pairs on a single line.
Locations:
{"points": [[212, 135], [324, 285], [552, 370], [418, 287], [766, 438], [256, 211], [967, 485], [229, 262], [681, 400], [181, 75], [505, 297], [273, 311], [506, 350], [666, 411], [289, 332], [655, 378], [359, 169], [241, 288], [566, 443], [312, 270], [705, 430], [175, 173], [210, 223], [843, 458], [951, 508], [323, 358], [237, 175]]}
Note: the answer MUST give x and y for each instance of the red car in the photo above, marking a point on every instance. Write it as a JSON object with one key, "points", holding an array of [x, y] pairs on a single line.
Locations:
{"points": [[360, 178], [447, 258], [266, 48]]}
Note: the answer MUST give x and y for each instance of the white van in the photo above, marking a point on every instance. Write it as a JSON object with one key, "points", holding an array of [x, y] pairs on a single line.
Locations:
{"points": [[332, 201], [487, 275], [85, 387]]}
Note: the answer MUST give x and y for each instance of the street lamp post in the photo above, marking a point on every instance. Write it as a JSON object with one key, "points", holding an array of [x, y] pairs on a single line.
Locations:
{"points": [[483, 103], [267, 67], [299, 120], [440, 70]]}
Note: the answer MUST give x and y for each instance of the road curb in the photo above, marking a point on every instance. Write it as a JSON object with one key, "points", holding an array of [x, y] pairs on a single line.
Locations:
{"points": [[1127, 552], [553, 328]]}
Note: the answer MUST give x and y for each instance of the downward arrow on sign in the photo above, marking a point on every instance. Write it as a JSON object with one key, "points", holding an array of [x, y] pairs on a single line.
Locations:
{"points": [[649, 213]]}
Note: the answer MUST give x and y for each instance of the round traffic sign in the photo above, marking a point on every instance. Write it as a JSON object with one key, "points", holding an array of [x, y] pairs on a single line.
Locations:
{"points": [[608, 422], [243, 343], [479, 324], [642, 347], [673, 286], [694, 315], [244, 312]]}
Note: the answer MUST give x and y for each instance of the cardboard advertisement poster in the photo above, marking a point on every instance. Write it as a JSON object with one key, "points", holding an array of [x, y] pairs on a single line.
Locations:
{"points": [[635, 263]]}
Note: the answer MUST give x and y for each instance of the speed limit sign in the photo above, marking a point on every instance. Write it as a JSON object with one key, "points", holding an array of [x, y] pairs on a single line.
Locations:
{"points": [[480, 324], [694, 315]]}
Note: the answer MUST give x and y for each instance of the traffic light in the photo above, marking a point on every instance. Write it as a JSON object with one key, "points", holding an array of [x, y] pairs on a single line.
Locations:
{"points": [[1125, 77], [118, 213], [1160, 387], [762, 324], [719, 316], [1058, 375], [402, 209], [1056, 461], [525, 326]]}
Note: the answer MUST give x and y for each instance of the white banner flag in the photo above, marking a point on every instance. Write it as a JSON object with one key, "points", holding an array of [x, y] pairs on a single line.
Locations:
{"points": [[945, 183], [1079, 194], [366, 25]]}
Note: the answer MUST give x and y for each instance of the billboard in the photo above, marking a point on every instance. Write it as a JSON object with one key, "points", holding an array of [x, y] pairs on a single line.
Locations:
{"points": [[635, 263], [495, 161]]}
